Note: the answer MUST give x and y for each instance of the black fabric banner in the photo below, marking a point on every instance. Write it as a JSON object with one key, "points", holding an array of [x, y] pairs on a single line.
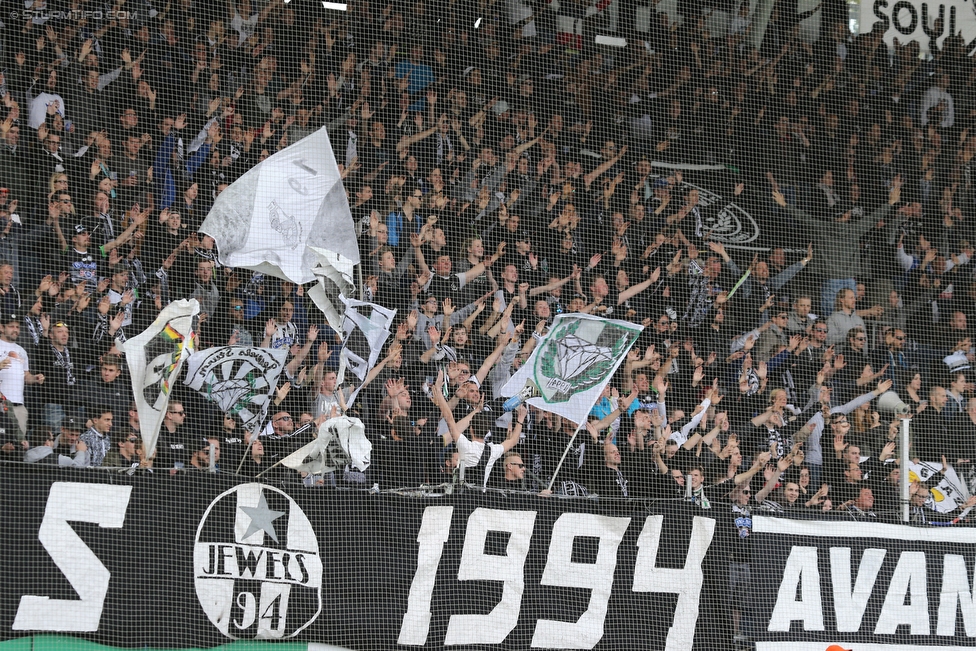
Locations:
{"points": [[199, 560], [863, 585]]}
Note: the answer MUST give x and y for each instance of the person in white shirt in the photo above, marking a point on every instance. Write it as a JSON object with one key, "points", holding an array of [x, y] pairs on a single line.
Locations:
{"points": [[15, 372], [475, 455]]}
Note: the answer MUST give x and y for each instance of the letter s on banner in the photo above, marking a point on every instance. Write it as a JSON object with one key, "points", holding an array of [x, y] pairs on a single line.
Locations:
{"points": [[560, 570], [100, 504], [686, 583], [494, 627]]}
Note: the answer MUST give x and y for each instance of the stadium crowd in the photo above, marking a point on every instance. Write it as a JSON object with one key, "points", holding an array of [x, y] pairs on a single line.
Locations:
{"points": [[497, 181]]}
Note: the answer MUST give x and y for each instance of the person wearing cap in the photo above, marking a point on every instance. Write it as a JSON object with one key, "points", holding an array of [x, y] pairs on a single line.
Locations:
{"points": [[82, 264], [201, 457], [68, 444], [17, 373], [60, 366], [97, 438], [122, 294]]}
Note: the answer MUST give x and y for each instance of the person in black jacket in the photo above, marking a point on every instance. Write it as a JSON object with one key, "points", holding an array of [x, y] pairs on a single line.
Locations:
{"points": [[108, 389], [930, 430]]}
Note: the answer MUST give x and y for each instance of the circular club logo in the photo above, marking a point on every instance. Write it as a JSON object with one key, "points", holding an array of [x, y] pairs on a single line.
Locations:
{"points": [[256, 564]]}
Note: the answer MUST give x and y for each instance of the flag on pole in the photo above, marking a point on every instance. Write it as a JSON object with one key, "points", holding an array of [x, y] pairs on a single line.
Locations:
{"points": [[155, 358], [341, 441], [288, 217], [239, 380], [365, 329], [570, 367]]}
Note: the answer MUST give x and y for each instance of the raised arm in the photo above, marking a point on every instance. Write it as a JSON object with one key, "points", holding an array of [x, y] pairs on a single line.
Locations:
{"points": [[556, 284], [437, 395], [126, 235], [863, 399], [634, 290], [621, 409], [595, 174], [515, 433], [406, 141], [503, 340], [761, 460]]}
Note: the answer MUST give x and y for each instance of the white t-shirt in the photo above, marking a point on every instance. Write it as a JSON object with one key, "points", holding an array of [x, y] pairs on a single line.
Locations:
{"points": [[469, 454], [12, 377]]}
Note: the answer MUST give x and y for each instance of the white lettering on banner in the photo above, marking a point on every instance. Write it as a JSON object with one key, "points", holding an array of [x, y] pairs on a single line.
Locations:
{"points": [[494, 627], [956, 588], [686, 582], [919, 20], [909, 575], [801, 569], [99, 504], [560, 570], [849, 605], [434, 531]]}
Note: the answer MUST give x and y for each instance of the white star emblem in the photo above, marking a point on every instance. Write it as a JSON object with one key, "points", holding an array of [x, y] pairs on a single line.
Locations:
{"points": [[262, 518]]}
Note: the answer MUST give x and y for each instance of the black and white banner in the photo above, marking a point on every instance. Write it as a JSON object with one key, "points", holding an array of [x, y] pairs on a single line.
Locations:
{"points": [[921, 21], [239, 380], [155, 358], [365, 329], [868, 586], [199, 561]]}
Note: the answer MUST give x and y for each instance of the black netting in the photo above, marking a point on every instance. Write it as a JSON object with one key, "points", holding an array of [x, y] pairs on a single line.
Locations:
{"points": [[651, 259]]}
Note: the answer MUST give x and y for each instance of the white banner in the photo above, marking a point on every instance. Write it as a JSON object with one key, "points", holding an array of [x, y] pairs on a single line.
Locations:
{"points": [[239, 380], [155, 357], [288, 217], [574, 362], [365, 328], [915, 20], [340, 441]]}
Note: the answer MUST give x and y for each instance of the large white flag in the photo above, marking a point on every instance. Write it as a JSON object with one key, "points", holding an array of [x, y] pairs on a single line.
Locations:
{"points": [[340, 441], [573, 363], [239, 380], [365, 328], [155, 358], [288, 217]]}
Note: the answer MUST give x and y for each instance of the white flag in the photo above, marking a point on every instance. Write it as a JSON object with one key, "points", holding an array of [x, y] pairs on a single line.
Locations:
{"points": [[365, 328], [948, 493], [573, 363], [340, 441], [288, 217], [155, 358], [239, 380]]}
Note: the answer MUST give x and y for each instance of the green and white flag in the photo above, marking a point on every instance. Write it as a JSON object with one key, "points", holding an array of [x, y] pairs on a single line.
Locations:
{"points": [[573, 363], [239, 380]]}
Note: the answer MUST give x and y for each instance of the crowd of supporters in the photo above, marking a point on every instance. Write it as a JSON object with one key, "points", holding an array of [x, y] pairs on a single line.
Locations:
{"points": [[497, 181]]}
